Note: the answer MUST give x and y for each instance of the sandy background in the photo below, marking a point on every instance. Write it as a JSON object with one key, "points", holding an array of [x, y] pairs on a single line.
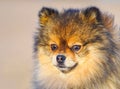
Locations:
{"points": [[18, 22]]}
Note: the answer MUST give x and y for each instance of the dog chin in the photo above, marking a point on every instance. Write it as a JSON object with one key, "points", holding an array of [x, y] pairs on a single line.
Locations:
{"points": [[66, 69]]}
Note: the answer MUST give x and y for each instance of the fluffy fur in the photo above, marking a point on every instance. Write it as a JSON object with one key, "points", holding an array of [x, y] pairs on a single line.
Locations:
{"points": [[94, 65]]}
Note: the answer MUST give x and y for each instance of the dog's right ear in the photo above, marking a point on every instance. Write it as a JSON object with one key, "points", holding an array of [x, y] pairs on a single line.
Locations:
{"points": [[91, 15], [46, 15]]}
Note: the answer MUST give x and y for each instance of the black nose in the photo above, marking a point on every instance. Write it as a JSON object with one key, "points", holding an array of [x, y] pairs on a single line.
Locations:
{"points": [[60, 59]]}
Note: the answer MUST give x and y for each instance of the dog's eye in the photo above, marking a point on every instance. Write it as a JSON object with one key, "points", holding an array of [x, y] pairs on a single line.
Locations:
{"points": [[54, 47], [76, 47]]}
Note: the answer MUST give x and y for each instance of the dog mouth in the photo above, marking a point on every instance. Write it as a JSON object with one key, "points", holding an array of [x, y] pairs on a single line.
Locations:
{"points": [[64, 68]]}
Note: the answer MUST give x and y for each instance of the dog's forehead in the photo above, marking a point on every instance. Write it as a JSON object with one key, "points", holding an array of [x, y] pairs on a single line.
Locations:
{"points": [[66, 26], [70, 28], [65, 35]]}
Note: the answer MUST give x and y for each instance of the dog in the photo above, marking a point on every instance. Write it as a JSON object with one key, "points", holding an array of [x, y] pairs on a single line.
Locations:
{"points": [[76, 49]]}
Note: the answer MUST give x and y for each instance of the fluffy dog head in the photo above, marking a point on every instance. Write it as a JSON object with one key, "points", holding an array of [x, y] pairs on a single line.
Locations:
{"points": [[74, 37], [78, 44]]}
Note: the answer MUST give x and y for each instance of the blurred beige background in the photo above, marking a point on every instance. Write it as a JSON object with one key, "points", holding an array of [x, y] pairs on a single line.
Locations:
{"points": [[18, 22]]}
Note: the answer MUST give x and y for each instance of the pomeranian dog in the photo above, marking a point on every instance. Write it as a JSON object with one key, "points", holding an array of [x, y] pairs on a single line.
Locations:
{"points": [[76, 49]]}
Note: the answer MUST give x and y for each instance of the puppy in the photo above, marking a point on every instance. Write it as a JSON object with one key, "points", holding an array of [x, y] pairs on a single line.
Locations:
{"points": [[76, 49]]}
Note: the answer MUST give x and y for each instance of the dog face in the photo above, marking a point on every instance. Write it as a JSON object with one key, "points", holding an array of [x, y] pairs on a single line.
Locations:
{"points": [[64, 52], [73, 37]]}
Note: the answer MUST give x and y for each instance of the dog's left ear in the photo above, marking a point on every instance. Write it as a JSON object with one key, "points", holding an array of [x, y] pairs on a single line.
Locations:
{"points": [[91, 15], [46, 15]]}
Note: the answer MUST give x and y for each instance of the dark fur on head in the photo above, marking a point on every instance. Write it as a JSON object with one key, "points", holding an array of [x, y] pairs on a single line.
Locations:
{"points": [[90, 16]]}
